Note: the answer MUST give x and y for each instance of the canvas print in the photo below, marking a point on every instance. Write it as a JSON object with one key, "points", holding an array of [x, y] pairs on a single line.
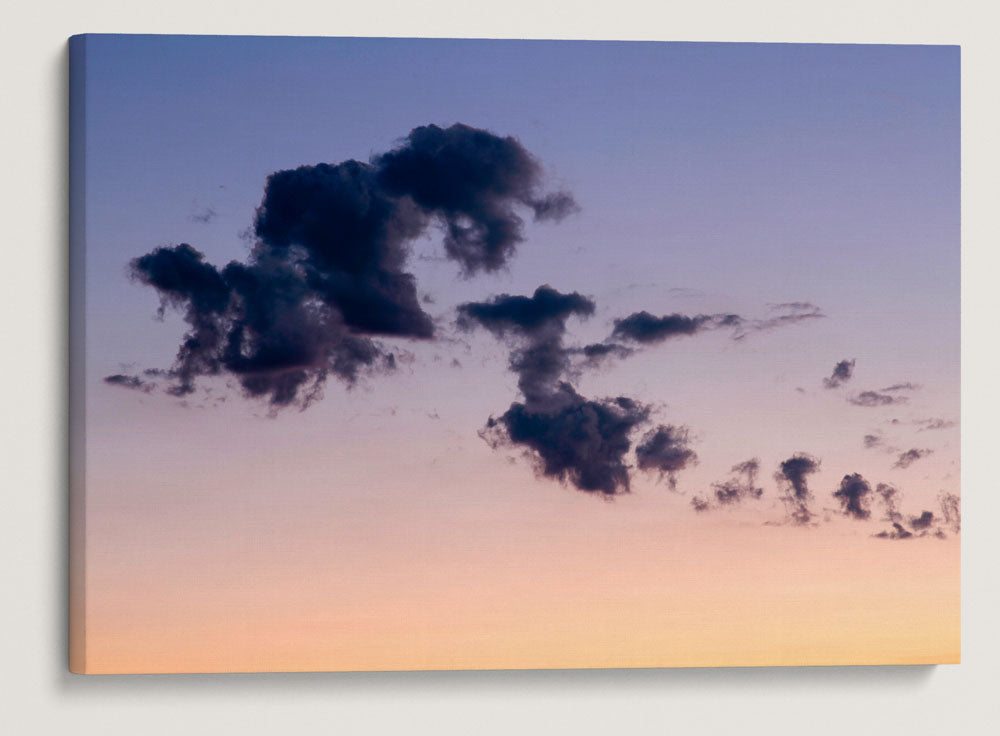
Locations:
{"points": [[396, 354]]}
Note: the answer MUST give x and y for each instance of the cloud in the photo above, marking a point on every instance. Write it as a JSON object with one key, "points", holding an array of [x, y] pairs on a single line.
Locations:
{"points": [[853, 495], [326, 275], [872, 441], [129, 381], [842, 373], [906, 459], [889, 497], [203, 216], [951, 511], [524, 315], [471, 180], [793, 474], [665, 450], [643, 327], [792, 313], [873, 398], [537, 325], [734, 490], [901, 387], [898, 532], [700, 504], [648, 329], [574, 439], [934, 424]]}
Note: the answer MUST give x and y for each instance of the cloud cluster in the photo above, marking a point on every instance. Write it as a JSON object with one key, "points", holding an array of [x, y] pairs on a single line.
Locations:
{"points": [[842, 373], [740, 486], [927, 523], [573, 439], [326, 275]]}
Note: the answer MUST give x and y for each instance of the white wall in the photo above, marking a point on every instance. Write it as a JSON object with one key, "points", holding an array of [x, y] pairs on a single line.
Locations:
{"points": [[38, 696]]}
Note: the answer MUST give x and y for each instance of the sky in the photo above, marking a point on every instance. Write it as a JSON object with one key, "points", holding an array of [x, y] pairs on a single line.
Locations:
{"points": [[599, 354]]}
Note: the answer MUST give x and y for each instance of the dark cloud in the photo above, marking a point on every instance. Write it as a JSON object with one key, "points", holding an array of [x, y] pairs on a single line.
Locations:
{"points": [[644, 327], [574, 439], [327, 275], [898, 532], [793, 474], [842, 373], [873, 398], [922, 522], [853, 495], [741, 486], [889, 497], [130, 381], [537, 325], [525, 315], [471, 180], [665, 450], [648, 329], [596, 353], [906, 459]]}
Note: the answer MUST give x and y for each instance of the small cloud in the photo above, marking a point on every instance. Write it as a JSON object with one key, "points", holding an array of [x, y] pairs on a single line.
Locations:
{"points": [[873, 398], [871, 441], [842, 373], [909, 457], [901, 387], [934, 424], [853, 495], [898, 532], [203, 216], [130, 382]]}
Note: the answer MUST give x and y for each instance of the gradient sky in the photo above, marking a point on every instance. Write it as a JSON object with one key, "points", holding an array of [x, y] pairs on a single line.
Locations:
{"points": [[376, 529]]}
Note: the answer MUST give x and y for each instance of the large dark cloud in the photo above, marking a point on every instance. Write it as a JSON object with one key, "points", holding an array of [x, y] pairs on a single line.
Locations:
{"points": [[536, 325], [853, 494], [471, 179], [574, 439], [793, 474], [842, 373], [665, 450], [906, 459], [326, 275], [581, 441]]}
